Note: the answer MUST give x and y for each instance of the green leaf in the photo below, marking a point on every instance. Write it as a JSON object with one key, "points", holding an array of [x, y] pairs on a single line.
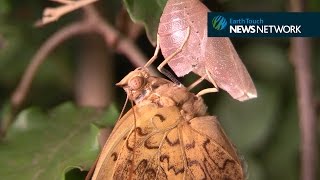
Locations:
{"points": [[109, 118], [148, 13], [46, 146]]}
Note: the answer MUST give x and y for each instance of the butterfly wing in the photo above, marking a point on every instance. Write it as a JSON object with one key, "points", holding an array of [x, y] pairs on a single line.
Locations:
{"points": [[133, 153], [165, 146], [116, 141], [208, 151], [151, 154]]}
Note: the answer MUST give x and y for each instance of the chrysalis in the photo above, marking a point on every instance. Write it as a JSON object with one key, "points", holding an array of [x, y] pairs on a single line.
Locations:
{"points": [[183, 24]]}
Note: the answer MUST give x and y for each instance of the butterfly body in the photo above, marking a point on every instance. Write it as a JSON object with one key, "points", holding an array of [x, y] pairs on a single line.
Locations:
{"points": [[173, 137], [214, 58]]}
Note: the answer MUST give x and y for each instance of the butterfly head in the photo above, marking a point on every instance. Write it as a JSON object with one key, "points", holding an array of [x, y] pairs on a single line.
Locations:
{"points": [[136, 84]]}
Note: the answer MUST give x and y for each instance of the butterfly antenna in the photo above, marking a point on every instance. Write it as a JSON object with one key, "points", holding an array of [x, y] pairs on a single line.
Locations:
{"points": [[123, 107]]}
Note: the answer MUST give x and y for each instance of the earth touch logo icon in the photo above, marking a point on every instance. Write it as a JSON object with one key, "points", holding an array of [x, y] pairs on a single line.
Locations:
{"points": [[219, 23]]}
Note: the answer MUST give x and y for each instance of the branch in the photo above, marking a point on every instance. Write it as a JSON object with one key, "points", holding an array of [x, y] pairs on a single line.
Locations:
{"points": [[111, 35], [112, 38], [53, 14], [300, 56], [63, 34], [301, 60], [92, 23]]}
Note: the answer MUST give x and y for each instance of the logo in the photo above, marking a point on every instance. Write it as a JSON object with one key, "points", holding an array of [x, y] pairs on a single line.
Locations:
{"points": [[263, 24], [219, 23]]}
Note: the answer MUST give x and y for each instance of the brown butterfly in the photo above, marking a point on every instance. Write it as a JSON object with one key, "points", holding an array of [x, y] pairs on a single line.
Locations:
{"points": [[183, 39], [166, 135]]}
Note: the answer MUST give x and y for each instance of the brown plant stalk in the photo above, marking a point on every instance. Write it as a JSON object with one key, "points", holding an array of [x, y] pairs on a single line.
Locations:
{"points": [[300, 53], [91, 23], [300, 57]]}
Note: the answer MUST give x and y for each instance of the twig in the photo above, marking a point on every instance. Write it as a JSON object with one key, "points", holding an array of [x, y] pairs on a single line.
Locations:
{"points": [[301, 60], [112, 38], [53, 14], [91, 23], [71, 30], [300, 49]]}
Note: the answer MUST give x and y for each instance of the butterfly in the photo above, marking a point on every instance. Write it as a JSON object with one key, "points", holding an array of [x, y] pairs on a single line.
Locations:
{"points": [[184, 42], [166, 135]]}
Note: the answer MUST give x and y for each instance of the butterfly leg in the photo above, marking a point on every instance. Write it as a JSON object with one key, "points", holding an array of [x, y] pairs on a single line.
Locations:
{"points": [[204, 91], [194, 84], [156, 52], [207, 90], [175, 53], [164, 71]]}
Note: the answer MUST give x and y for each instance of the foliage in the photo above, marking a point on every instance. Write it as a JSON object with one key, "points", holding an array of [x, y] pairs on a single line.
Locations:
{"points": [[40, 145], [148, 13]]}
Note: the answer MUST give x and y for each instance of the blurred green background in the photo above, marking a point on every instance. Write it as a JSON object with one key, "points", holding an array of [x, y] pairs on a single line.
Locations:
{"points": [[265, 129]]}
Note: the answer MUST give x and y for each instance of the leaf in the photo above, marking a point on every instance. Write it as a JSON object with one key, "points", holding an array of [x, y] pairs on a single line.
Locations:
{"points": [[148, 13], [46, 146], [109, 117]]}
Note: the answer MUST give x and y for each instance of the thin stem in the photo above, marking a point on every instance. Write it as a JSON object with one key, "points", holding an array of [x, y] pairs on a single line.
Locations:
{"points": [[301, 60], [92, 23], [300, 48], [69, 31], [53, 14]]}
